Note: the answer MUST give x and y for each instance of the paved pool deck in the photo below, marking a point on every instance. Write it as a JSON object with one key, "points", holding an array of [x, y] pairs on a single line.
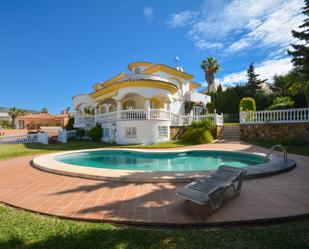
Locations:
{"points": [[275, 197]]}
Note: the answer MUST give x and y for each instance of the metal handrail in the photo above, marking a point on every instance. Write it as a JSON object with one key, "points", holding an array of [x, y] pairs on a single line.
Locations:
{"points": [[271, 150]]}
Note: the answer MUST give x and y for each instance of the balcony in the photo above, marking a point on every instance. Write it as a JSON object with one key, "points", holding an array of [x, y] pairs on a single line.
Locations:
{"points": [[144, 114]]}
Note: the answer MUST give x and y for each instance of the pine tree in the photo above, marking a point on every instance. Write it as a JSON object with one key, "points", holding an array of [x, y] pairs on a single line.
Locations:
{"points": [[300, 52], [254, 84]]}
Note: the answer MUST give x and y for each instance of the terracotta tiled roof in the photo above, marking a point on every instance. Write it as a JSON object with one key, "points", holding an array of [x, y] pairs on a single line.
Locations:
{"points": [[38, 116]]}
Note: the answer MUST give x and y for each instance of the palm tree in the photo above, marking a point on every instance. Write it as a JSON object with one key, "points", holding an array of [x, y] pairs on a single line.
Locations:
{"points": [[14, 112], [210, 67]]}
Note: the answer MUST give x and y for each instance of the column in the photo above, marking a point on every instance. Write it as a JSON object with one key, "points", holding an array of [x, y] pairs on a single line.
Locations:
{"points": [[96, 112], [169, 110], [147, 108], [119, 107]]}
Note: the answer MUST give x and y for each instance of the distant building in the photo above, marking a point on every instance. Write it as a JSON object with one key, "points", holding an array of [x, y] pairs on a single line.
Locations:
{"points": [[35, 121], [4, 114]]}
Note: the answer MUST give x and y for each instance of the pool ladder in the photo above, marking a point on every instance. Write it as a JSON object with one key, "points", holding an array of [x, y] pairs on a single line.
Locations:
{"points": [[271, 150]]}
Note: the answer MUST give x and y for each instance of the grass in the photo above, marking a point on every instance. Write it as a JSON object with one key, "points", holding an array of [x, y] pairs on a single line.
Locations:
{"points": [[231, 124], [295, 149], [24, 230], [16, 150]]}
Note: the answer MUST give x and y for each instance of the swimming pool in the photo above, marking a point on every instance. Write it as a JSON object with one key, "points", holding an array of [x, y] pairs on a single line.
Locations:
{"points": [[136, 165], [160, 161]]}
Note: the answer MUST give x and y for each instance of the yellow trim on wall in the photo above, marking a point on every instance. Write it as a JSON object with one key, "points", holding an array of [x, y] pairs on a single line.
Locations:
{"points": [[135, 83], [105, 83], [105, 96], [139, 63], [166, 69], [194, 85], [178, 80]]}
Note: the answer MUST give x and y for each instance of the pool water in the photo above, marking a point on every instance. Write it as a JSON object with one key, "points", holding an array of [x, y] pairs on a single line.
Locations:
{"points": [[160, 161]]}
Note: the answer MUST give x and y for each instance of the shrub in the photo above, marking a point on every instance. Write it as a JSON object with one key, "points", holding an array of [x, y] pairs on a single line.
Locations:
{"points": [[204, 123], [247, 104], [80, 132], [70, 125], [96, 133], [281, 103], [197, 136], [211, 107]]}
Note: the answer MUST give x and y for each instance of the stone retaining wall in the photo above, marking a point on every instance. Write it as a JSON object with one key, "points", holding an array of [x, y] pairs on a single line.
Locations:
{"points": [[298, 132]]}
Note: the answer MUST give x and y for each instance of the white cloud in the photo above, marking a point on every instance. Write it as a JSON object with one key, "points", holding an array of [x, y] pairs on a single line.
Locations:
{"points": [[253, 22], [266, 70], [182, 18], [201, 44], [274, 30], [148, 12]]}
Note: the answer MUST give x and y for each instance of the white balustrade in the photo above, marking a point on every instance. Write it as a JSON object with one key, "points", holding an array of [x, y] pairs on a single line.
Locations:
{"points": [[276, 116], [159, 114], [71, 134], [142, 114], [84, 120], [133, 114], [106, 117], [19, 139]]}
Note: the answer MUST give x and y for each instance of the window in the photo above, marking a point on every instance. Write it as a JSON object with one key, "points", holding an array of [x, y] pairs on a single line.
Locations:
{"points": [[162, 131], [130, 132], [105, 132]]}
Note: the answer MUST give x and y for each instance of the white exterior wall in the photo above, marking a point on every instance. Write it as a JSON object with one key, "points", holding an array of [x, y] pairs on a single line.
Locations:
{"points": [[146, 131], [82, 101]]}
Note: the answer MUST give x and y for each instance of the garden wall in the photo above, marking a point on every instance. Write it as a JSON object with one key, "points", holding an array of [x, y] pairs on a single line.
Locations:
{"points": [[291, 132]]}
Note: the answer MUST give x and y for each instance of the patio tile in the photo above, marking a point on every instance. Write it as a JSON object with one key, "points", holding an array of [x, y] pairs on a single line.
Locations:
{"points": [[271, 197]]}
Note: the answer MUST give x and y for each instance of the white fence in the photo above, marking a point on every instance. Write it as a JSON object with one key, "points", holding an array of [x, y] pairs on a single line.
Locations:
{"points": [[19, 139], [276, 116], [183, 120], [25, 139]]}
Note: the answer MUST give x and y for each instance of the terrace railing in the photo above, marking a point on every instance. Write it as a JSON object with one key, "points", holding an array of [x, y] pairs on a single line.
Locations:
{"points": [[144, 114], [277, 116], [184, 120], [19, 139], [25, 139]]}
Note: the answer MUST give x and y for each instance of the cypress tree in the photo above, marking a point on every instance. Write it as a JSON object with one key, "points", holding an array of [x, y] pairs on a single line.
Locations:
{"points": [[254, 84]]}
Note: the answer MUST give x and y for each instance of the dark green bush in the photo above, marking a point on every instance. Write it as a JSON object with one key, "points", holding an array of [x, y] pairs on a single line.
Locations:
{"points": [[247, 104], [204, 123], [80, 132], [70, 125], [211, 107], [96, 133], [197, 136]]}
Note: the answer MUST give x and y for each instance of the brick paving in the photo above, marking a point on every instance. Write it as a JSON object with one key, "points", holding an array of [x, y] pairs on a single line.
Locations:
{"points": [[273, 197]]}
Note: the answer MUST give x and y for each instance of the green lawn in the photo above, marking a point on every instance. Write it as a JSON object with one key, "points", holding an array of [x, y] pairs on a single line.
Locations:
{"points": [[20, 229], [14, 150], [295, 149]]}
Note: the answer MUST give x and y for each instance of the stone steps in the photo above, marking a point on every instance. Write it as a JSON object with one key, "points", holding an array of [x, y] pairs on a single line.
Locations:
{"points": [[230, 133]]}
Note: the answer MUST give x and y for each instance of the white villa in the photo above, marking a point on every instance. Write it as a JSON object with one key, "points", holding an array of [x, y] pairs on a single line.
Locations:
{"points": [[141, 106]]}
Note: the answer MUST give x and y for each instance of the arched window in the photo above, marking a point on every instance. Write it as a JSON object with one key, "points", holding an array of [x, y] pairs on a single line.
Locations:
{"points": [[129, 104]]}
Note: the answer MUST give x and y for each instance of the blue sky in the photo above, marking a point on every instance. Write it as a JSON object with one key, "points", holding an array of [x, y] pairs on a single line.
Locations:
{"points": [[52, 50]]}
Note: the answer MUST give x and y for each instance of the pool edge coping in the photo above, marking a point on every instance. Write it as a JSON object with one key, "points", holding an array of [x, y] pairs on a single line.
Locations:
{"points": [[47, 163]]}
